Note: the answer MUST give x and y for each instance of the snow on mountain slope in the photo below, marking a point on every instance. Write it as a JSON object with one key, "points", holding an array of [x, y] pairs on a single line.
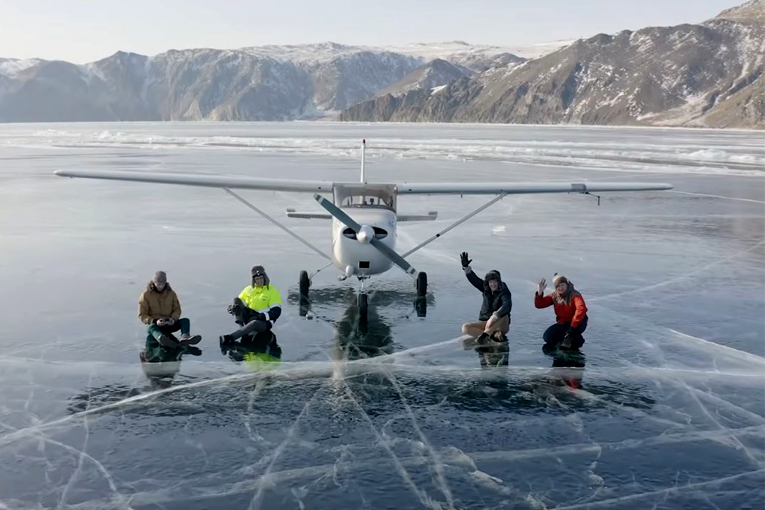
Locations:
{"points": [[12, 66], [436, 73], [681, 75]]}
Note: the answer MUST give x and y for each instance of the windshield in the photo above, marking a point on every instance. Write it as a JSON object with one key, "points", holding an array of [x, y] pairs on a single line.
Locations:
{"points": [[365, 196]]}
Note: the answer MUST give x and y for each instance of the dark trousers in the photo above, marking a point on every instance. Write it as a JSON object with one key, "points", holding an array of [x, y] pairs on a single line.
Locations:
{"points": [[184, 325], [154, 351], [249, 320], [555, 333]]}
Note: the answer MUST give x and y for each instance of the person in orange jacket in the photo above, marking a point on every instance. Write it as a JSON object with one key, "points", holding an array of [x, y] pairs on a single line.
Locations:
{"points": [[570, 313]]}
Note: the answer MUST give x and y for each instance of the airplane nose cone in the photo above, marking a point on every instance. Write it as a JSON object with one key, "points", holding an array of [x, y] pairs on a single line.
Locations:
{"points": [[365, 234]]}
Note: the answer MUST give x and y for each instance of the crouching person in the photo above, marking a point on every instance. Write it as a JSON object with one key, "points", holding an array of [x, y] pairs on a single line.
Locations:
{"points": [[160, 309], [570, 313], [494, 318], [257, 307]]}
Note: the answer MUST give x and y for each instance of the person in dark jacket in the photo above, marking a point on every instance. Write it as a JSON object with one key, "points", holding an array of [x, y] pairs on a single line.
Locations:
{"points": [[494, 319]]}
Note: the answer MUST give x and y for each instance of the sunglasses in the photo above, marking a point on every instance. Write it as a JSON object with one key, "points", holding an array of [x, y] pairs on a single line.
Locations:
{"points": [[258, 275]]}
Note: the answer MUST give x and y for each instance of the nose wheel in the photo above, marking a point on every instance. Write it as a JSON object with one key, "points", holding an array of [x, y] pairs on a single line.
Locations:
{"points": [[363, 306], [363, 300]]}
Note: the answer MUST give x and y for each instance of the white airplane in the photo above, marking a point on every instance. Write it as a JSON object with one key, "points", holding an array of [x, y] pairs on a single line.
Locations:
{"points": [[363, 214]]}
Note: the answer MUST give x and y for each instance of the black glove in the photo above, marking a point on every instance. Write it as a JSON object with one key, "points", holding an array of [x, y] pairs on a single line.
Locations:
{"points": [[464, 259], [570, 333], [234, 308]]}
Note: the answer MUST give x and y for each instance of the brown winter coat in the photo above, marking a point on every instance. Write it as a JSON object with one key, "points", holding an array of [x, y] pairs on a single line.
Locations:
{"points": [[153, 305]]}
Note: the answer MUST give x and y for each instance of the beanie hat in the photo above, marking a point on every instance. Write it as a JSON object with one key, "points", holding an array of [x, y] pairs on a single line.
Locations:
{"points": [[160, 277], [558, 279]]}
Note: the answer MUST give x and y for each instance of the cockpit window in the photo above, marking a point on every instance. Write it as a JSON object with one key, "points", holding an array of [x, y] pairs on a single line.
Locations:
{"points": [[350, 197]]}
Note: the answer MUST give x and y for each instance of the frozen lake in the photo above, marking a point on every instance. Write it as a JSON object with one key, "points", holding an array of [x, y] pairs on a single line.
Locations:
{"points": [[663, 408]]}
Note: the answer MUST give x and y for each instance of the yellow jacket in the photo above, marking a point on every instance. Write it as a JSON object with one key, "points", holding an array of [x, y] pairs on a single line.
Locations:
{"points": [[264, 299]]}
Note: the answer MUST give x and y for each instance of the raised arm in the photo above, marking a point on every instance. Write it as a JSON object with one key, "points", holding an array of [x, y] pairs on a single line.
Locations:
{"points": [[471, 276], [540, 300]]}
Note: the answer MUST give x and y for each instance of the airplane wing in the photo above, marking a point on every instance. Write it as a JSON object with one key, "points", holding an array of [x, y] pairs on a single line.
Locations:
{"points": [[512, 188], [210, 181], [453, 188]]}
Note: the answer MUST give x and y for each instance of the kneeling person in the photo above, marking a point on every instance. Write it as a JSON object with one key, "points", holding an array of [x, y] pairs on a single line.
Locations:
{"points": [[160, 309], [257, 307], [570, 313]]}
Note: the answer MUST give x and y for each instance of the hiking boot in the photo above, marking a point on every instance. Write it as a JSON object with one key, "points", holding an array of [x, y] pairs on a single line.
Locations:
{"points": [[166, 341], [187, 339], [226, 339], [194, 351], [483, 339], [499, 338]]}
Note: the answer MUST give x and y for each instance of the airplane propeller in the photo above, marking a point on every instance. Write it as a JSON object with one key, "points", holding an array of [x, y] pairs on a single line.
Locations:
{"points": [[340, 215]]}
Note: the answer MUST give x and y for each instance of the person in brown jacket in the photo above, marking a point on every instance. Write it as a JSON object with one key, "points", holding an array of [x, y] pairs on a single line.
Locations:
{"points": [[160, 310]]}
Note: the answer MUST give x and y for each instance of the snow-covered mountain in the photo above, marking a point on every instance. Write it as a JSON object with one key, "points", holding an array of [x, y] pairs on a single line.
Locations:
{"points": [[462, 53], [710, 74], [11, 66], [265, 83], [706, 74], [255, 83], [435, 73]]}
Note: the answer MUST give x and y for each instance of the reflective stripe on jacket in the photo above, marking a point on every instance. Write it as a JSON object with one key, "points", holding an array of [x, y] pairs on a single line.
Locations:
{"points": [[264, 299]]}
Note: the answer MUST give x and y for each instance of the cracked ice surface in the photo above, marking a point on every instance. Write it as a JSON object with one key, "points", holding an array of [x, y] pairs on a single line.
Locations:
{"points": [[664, 409]]}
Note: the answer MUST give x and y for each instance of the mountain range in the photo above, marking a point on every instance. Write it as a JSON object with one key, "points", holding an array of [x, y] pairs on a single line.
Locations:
{"points": [[708, 74]]}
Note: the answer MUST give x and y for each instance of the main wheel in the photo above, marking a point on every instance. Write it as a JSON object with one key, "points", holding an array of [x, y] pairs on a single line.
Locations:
{"points": [[422, 284], [305, 283], [363, 306]]}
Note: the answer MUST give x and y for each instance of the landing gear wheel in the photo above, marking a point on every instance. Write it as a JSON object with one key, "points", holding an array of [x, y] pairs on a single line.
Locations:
{"points": [[363, 306], [422, 284], [305, 283]]}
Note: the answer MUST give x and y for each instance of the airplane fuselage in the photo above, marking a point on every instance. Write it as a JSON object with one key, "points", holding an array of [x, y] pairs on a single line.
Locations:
{"points": [[353, 254]]}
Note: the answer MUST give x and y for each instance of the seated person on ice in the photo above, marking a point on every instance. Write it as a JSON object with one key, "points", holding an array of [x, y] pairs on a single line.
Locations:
{"points": [[159, 308], [570, 313], [494, 319], [257, 307]]}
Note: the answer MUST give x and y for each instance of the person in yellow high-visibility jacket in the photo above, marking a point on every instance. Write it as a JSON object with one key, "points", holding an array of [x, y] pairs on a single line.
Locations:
{"points": [[257, 307]]}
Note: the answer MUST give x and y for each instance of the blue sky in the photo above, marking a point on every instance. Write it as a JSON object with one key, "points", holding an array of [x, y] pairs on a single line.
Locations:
{"points": [[82, 31]]}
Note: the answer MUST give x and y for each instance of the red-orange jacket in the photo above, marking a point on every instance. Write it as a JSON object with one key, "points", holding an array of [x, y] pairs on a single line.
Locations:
{"points": [[573, 312]]}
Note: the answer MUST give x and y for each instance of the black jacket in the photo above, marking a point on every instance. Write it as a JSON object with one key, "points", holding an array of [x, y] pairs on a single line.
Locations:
{"points": [[500, 301]]}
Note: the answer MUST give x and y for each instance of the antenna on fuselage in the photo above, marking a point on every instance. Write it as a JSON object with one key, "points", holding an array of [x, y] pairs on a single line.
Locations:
{"points": [[363, 150]]}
